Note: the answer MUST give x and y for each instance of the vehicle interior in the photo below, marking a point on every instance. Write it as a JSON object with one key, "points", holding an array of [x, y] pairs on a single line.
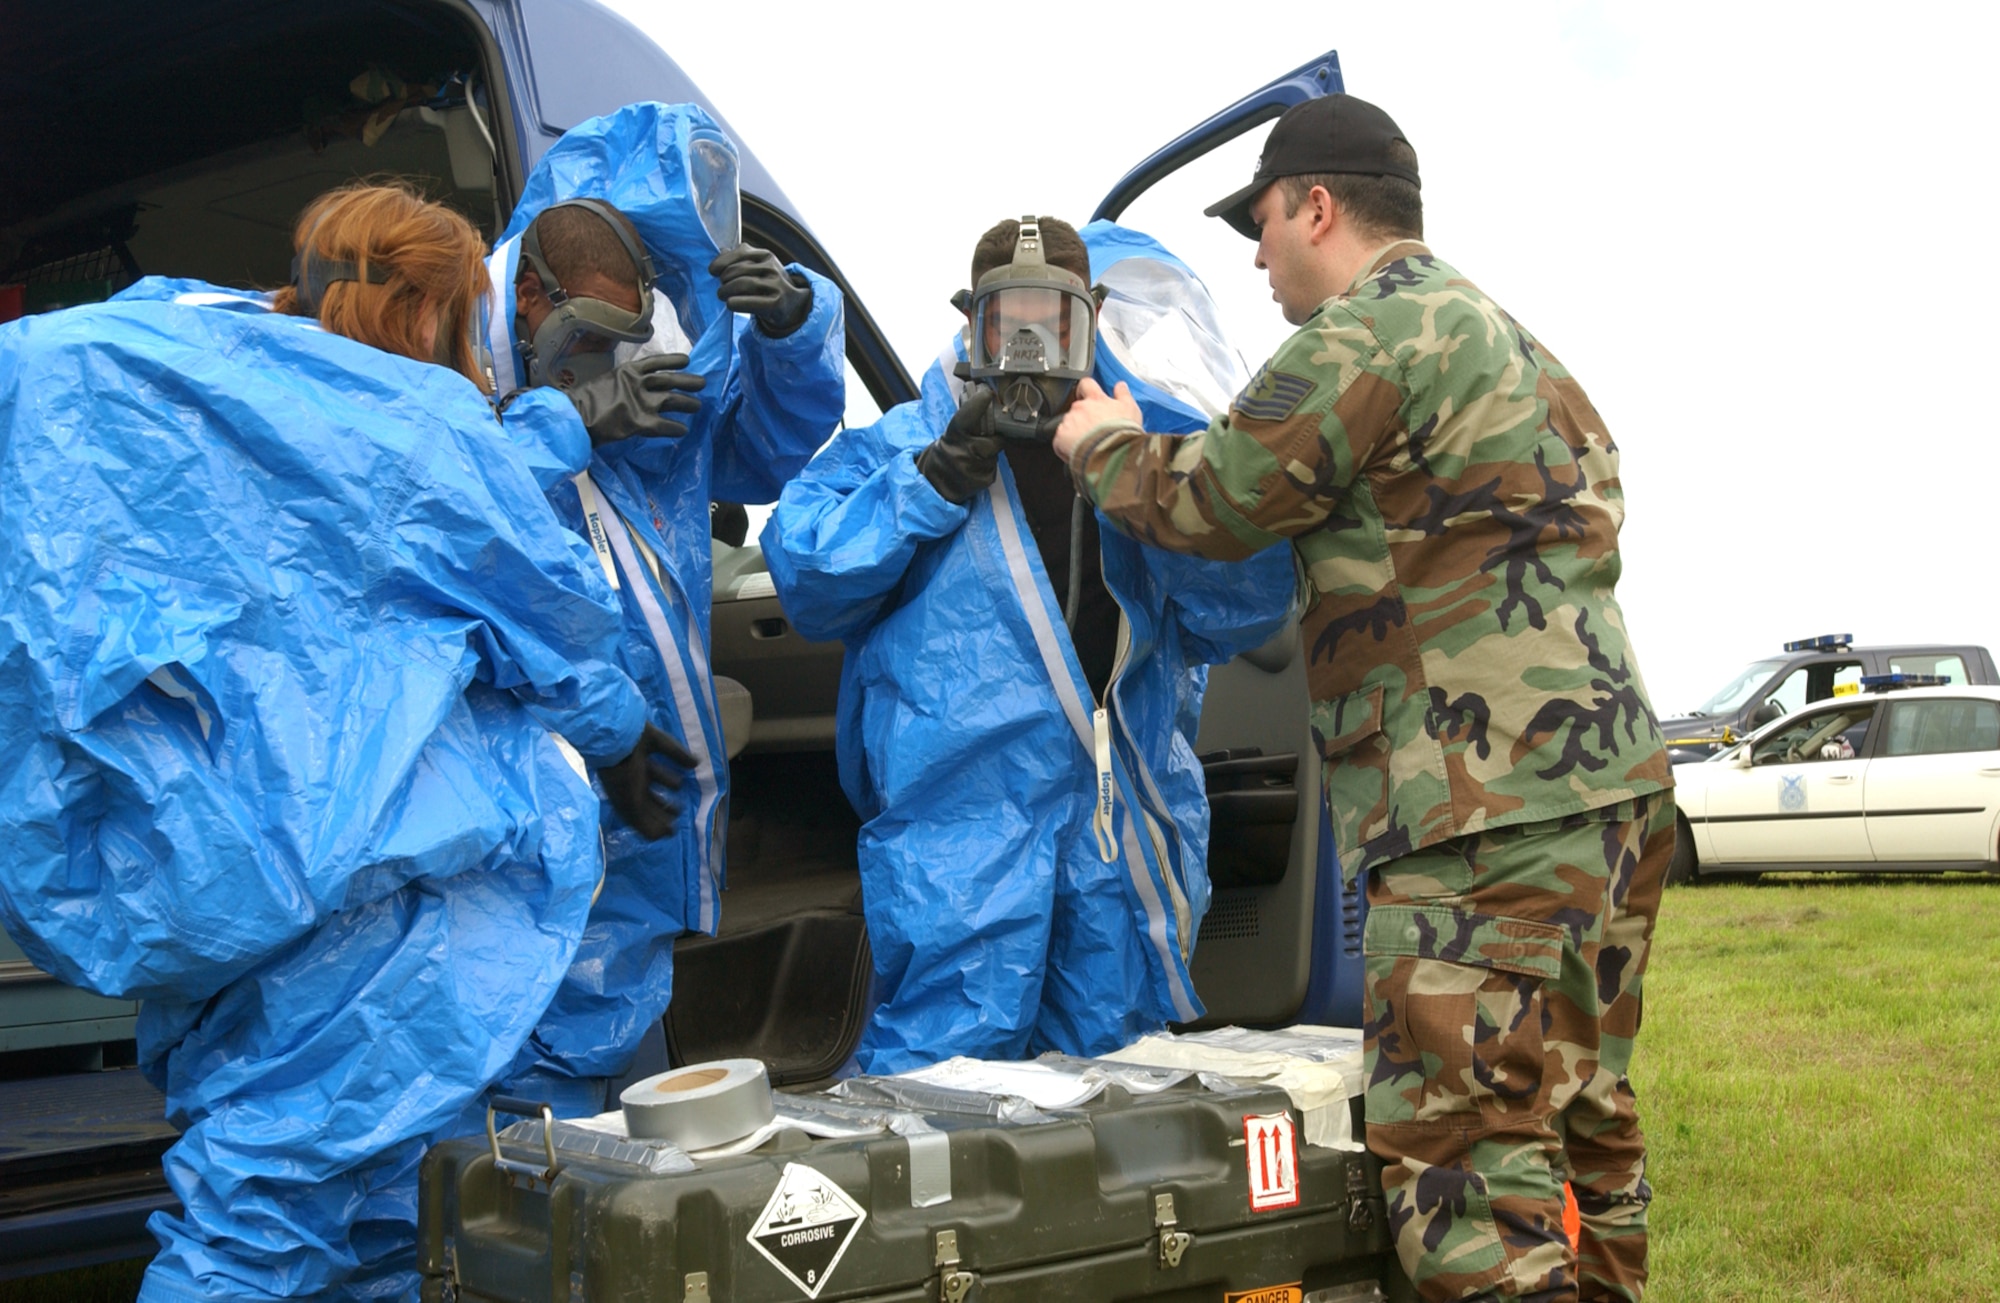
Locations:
{"points": [[1810, 683], [1824, 735], [189, 148]]}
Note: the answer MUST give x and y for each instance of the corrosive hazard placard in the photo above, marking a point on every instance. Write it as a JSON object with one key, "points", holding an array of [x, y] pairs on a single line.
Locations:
{"points": [[1273, 1160], [806, 1226]]}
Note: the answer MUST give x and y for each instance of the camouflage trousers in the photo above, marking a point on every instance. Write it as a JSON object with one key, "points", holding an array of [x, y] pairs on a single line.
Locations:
{"points": [[1504, 972]]}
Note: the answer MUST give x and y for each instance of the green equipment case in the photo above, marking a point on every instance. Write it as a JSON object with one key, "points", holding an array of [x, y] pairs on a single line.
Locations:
{"points": [[1184, 1194]]}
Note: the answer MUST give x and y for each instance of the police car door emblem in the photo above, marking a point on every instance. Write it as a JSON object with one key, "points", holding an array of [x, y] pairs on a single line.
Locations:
{"points": [[806, 1227], [1270, 1150], [1792, 793]]}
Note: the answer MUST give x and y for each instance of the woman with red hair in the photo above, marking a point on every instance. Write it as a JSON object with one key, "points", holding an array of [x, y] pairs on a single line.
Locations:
{"points": [[382, 265]]}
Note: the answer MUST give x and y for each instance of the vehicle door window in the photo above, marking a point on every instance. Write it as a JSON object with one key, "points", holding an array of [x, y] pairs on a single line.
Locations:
{"points": [[1817, 682], [1822, 735], [1737, 691], [1951, 668], [1943, 726]]}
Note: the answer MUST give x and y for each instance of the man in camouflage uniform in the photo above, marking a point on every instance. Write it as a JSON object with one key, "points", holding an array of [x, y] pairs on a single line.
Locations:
{"points": [[1492, 763]]}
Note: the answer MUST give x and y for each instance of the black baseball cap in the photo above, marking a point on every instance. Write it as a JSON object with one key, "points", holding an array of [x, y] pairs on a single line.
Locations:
{"points": [[1333, 133]]}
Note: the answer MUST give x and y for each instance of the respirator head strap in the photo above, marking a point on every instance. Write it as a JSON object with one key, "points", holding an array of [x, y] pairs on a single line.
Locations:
{"points": [[312, 271]]}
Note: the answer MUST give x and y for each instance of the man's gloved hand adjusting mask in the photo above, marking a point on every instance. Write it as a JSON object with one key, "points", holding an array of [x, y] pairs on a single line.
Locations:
{"points": [[756, 283], [962, 461], [639, 399], [632, 785]]}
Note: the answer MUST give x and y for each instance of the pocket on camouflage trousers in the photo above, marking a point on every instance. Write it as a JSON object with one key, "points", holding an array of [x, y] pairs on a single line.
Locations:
{"points": [[1456, 999]]}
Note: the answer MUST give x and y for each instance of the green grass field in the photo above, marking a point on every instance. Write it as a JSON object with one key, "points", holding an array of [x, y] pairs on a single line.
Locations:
{"points": [[1819, 1073]]}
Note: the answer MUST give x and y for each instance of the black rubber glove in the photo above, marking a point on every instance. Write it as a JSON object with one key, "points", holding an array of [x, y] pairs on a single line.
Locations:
{"points": [[631, 784], [962, 461], [633, 400], [754, 281]]}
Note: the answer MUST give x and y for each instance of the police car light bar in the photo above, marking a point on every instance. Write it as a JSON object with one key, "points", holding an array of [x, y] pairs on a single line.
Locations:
{"points": [[1825, 642], [1891, 682]]}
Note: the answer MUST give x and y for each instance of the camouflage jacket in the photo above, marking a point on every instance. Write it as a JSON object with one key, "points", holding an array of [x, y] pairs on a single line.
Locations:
{"points": [[1454, 501]]}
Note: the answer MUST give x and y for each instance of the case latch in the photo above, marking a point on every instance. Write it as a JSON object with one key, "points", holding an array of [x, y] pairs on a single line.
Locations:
{"points": [[1360, 1213], [1173, 1241], [953, 1284]]}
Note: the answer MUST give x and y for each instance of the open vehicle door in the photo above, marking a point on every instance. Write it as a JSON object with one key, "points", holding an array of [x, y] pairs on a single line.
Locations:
{"points": [[1310, 80], [1281, 942]]}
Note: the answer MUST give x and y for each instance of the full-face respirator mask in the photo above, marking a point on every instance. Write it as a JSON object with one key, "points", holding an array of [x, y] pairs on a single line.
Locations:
{"points": [[576, 341], [1033, 334]]}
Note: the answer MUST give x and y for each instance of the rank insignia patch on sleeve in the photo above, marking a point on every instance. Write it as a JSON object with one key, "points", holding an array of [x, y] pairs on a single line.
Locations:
{"points": [[1273, 395]]}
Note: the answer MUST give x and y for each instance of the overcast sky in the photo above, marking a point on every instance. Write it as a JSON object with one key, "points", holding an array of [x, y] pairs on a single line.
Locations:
{"points": [[1758, 234]]}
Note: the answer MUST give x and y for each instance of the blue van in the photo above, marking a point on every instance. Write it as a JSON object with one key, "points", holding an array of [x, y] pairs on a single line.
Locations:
{"points": [[183, 140]]}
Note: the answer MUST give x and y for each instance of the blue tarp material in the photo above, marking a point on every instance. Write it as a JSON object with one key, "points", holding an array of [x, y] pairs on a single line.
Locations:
{"points": [[768, 404], [965, 741], [281, 622]]}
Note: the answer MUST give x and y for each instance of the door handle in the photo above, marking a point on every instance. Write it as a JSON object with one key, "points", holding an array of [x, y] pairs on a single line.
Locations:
{"points": [[1247, 767], [1991, 771], [1840, 778], [1246, 786]]}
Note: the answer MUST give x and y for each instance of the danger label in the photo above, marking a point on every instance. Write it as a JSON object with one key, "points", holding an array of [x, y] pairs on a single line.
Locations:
{"points": [[1292, 1293], [1273, 1161], [806, 1227]]}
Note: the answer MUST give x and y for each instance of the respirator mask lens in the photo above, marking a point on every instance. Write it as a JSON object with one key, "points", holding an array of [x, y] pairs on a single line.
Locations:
{"points": [[713, 185], [1033, 329], [1031, 342]]}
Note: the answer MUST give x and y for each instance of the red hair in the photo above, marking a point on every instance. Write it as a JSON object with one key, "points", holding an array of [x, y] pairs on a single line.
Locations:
{"points": [[430, 260]]}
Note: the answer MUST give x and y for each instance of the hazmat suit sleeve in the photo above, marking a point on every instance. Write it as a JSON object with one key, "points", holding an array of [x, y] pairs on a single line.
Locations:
{"points": [[534, 586], [847, 528], [543, 425], [785, 397], [1225, 608]]}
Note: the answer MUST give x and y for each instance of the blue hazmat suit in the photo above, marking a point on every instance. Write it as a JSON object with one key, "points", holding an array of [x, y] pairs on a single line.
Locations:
{"points": [[767, 406], [1005, 916], [290, 645]]}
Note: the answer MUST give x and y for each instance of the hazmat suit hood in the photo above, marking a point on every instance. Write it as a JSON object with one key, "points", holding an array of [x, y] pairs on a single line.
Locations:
{"points": [[1158, 330], [652, 162]]}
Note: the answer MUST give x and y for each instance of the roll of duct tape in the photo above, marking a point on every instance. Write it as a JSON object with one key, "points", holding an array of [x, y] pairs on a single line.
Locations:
{"points": [[699, 1106]]}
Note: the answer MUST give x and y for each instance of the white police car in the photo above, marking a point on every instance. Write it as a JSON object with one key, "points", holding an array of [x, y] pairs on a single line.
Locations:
{"points": [[1901, 774]]}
